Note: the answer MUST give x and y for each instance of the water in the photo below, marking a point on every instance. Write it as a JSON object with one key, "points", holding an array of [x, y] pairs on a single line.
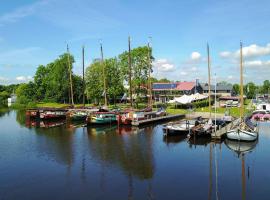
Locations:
{"points": [[65, 162]]}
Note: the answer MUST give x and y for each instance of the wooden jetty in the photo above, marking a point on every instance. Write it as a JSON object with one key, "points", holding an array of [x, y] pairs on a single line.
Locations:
{"points": [[155, 119], [220, 132]]}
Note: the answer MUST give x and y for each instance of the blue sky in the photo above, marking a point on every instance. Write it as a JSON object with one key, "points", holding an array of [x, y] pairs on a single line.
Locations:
{"points": [[36, 32]]}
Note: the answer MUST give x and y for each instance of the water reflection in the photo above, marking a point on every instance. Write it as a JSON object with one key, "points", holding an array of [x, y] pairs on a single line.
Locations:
{"points": [[131, 152], [93, 162]]}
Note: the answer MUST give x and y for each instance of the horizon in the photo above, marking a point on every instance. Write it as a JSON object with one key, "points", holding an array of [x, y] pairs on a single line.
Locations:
{"points": [[35, 33]]}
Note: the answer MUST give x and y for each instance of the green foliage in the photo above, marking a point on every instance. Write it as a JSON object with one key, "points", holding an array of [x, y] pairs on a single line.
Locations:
{"points": [[236, 89], [266, 87], [164, 80], [26, 93], [94, 82], [113, 77], [51, 84], [250, 90], [140, 67]]}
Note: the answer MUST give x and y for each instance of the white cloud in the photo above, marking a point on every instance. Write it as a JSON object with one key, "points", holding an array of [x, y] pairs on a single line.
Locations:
{"points": [[230, 77], [257, 63], [24, 78], [164, 65], [225, 54], [21, 12], [183, 73], [248, 52], [195, 56]]}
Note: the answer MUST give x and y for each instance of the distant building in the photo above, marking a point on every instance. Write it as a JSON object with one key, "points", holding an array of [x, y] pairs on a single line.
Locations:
{"points": [[223, 90], [163, 92], [12, 99]]}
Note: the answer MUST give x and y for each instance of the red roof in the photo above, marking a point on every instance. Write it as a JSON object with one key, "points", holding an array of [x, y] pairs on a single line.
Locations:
{"points": [[185, 85]]}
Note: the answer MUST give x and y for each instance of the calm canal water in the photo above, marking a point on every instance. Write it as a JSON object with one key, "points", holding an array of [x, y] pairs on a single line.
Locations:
{"points": [[70, 162]]}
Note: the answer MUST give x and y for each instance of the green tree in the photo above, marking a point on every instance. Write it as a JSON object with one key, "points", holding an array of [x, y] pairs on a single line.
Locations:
{"points": [[140, 67], [250, 90], [266, 87], [114, 79], [236, 89], [26, 93], [94, 82], [164, 80]]}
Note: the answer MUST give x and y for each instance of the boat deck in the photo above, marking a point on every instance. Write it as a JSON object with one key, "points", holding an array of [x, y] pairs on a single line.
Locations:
{"points": [[220, 132]]}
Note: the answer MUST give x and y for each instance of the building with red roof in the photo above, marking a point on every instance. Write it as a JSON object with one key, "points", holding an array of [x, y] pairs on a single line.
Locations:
{"points": [[165, 91]]}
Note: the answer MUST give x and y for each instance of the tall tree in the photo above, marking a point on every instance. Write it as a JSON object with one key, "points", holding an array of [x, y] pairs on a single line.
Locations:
{"points": [[250, 90], [140, 66], [236, 89]]}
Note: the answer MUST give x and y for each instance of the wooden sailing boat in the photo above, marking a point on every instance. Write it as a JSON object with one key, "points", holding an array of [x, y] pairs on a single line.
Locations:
{"points": [[245, 130], [205, 128]]}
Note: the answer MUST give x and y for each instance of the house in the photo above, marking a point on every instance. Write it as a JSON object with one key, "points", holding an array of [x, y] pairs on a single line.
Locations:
{"points": [[163, 92], [222, 89]]}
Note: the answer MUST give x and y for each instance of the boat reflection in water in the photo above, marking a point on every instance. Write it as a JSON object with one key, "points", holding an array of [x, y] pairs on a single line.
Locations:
{"points": [[29, 123], [241, 149], [174, 140], [125, 148]]}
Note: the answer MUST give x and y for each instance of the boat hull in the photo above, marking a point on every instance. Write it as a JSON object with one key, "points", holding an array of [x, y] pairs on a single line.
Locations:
{"points": [[242, 135]]}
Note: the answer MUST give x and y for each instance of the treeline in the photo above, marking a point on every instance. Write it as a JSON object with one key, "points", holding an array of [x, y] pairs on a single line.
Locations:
{"points": [[116, 72], [51, 82], [250, 89]]}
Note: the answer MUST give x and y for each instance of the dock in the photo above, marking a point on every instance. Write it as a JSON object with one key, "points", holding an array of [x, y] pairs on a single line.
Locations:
{"points": [[220, 132], [156, 119]]}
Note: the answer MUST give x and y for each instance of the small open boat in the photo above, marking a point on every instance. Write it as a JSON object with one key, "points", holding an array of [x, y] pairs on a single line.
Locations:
{"points": [[181, 127]]}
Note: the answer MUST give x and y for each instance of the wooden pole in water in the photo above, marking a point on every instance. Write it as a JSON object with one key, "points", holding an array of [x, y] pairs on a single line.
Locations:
{"points": [[83, 76], [209, 80], [130, 73], [241, 83], [149, 77], [70, 77], [104, 78]]}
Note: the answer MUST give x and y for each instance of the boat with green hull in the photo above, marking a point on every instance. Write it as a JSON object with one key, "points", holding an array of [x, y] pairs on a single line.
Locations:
{"points": [[102, 118]]}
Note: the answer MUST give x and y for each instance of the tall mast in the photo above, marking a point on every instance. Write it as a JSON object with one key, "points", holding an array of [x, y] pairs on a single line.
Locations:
{"points": [[83, 76], [70, 77], [209, 80], [149, 77], [104, 78], [130, 71], [241, 83], [243, 178]]}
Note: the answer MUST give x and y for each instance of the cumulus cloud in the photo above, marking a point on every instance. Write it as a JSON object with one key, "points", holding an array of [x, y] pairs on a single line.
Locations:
{"points": [[164, 65], [195, 56], [258, 63], [248, 51], [24, 78]]}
